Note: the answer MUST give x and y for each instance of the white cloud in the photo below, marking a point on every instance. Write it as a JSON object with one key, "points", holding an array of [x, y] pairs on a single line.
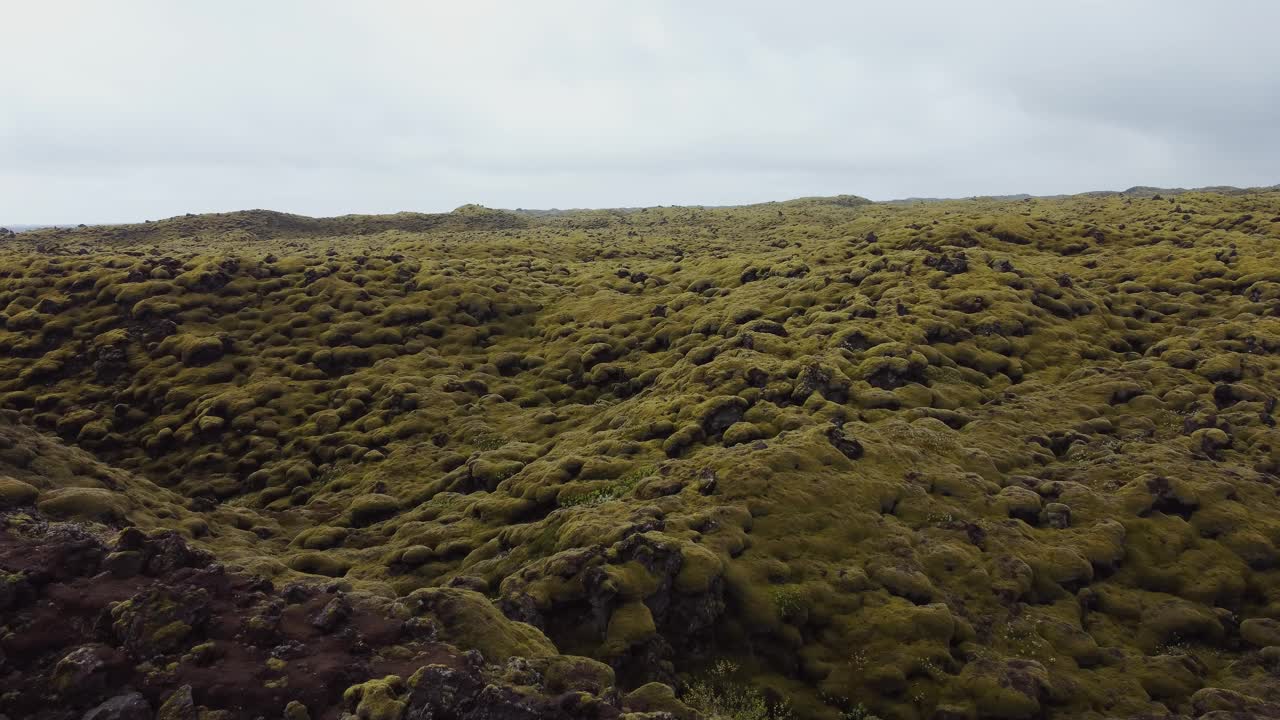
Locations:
{"points": [[147, 108]]}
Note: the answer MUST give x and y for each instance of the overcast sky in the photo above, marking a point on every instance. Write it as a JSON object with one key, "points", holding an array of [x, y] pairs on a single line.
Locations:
{"points": [[134, 109]]}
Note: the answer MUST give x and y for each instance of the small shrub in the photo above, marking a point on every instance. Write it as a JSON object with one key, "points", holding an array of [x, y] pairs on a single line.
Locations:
{"points": [[488, 441], [719, 697], [789, 602], [614, 490]]}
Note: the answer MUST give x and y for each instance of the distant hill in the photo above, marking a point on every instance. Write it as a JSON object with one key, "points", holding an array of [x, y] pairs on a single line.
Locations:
{"points": [[1146, 191], [1138, 191], [18, 227], [269, 224]]}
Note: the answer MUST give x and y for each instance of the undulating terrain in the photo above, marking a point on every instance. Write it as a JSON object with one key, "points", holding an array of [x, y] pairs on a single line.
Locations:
{"points": [[821, 459]]}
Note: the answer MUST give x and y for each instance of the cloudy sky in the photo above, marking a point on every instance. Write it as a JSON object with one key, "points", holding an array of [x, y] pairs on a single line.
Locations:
{"points": [[133, 109]]}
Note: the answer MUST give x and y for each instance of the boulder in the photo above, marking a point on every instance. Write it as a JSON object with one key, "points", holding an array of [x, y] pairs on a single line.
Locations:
{"points": [[178, 706], [1019, 502], [1260, 632], [126, 706]]}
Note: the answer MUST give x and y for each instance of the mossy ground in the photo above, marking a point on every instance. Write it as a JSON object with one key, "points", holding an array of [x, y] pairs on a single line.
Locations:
{"points": [[1002, 458]]}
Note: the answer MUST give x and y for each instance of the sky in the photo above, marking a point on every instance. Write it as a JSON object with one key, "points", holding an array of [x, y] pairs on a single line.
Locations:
{"points": [[142, 109]]}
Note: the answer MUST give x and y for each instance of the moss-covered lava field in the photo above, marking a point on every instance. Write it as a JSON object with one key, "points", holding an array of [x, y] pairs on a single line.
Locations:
{"points": [[822, 458]]}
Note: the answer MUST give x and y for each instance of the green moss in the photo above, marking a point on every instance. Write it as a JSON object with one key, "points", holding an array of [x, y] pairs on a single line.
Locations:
{"points": [[415, 555], [789, 602], [84, 504], [470, 620], [630, 624], [699, 568], [195, 351], [1261, 632], [491, 472], [657, 697], [414, 401], [320, 538], [170, 637], [14, 493], [565, 673], [720, 695], [371, 508], [319, 563], [618, 488], [296, 711], [377, 699]]}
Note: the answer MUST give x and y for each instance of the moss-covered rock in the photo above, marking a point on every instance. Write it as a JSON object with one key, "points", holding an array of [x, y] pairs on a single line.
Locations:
{"points": [[377, 699], [658, 698], [370, 508], [468, 619], [1261, 632], [15, 493], [319, 563], [95, 504]]}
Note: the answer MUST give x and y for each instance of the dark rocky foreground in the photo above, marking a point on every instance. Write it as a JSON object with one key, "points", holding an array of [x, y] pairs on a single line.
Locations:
{"points": [[137, 626]]}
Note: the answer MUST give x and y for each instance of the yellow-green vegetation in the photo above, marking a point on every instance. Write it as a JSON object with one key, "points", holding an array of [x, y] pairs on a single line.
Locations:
{"points": [[977, 458], [377, 699], [719, 697]]}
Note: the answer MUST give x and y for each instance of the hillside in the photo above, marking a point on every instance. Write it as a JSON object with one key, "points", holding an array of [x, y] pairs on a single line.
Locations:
{"points": [[822, 458]]}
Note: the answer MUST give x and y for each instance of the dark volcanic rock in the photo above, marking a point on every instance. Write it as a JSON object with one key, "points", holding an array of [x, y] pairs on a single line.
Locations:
{"points": [[234, 648], [127, 706], [848, 446]]}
